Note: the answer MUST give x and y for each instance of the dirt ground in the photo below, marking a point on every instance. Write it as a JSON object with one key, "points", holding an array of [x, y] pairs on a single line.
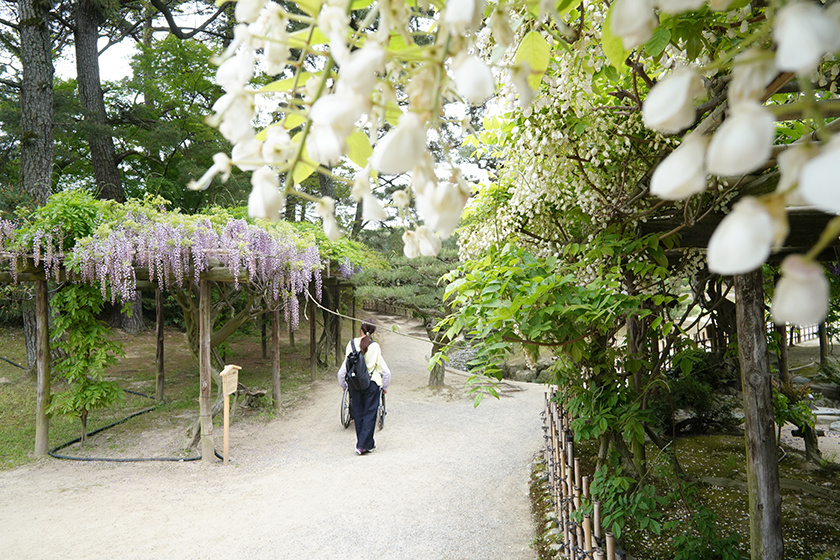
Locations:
{"points": [[447, 481]]}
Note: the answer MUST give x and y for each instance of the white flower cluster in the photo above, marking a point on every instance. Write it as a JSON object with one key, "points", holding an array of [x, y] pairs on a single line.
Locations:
{"points": [[365, 69], [803, 33]]}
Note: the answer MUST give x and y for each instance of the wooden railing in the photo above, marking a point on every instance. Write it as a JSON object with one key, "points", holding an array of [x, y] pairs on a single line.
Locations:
{"points": [[584, 540], [387, 308]]}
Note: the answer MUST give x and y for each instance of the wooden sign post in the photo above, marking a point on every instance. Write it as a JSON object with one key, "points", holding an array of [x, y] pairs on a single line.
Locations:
{"points": [[230, 381]]}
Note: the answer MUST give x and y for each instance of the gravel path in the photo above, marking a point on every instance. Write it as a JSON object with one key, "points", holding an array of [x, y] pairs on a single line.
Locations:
{"points": [[448, 481]]}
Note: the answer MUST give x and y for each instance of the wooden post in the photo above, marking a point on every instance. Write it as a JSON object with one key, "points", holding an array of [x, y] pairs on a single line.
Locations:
{"points": [[823, 345], [275, 358], [313, 358], [208, 450], [610, 546], [339, 351], [759, 427], [230, 382], [263, 335], [159, 338], [784, 369], [596, 512], [42, 322]]}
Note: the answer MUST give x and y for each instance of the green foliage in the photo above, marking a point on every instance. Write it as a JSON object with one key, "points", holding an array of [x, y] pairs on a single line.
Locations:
{"points": [[85, 349], [797, 413], [337, 252], [66, 218]]}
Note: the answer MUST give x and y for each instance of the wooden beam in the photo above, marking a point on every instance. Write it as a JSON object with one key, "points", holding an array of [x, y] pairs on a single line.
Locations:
{"points": [[339, 351], [759, 427], [159, 339], [204, 332], [42, 321]]}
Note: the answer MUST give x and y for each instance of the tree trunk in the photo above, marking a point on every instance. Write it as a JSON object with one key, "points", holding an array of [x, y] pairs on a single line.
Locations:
{"points": [[326, 344], [30, 334], [762, 463], [36, 100], [784, 369], [133, 323], [99, 135]]}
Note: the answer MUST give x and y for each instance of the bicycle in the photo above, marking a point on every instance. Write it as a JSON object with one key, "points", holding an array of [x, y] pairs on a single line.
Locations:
{"points": [[347, 415]]}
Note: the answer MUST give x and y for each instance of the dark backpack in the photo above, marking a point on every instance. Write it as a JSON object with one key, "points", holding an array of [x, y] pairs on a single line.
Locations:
{"points": [[358, 377]]}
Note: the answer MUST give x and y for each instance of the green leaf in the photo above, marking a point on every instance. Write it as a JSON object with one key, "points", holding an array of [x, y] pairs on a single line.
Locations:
{"points": [[311, 7], [657, 43], [613, 45], [535, 51], [286, 85], [358, 148]]}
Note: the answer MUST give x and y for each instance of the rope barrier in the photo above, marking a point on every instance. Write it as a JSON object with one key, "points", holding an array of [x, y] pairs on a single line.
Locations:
{"points": [[54, 451], [394, 327]]}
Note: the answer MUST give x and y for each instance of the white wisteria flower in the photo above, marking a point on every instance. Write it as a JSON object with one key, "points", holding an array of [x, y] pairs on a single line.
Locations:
{"points": [[338, 111], [271, 31], [473, 79], [743, 142], [519, 76], [460, 16], [334, 22], [248, 11], [742, 240], [683, 172], [804, 33], [679, 6], [633, 21], [324, 145], [233, 113], [819, 180], [359, 71], [802, 293], [325, 208], [791, 161], [400, 149], [361, 185], [247, 155], [669, 107], [266, 200], [401, 198], [236, 71], [278, 147], [372, 209], [441, 206], [411, 244], [427, 241], [221, 164], [753, 70]]}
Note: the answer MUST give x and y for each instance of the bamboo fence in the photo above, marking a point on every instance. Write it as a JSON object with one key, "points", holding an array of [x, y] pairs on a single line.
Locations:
{"points": [[569, 490]]}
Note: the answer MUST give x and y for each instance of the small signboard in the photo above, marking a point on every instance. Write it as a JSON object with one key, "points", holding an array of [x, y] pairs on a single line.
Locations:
{"points": [[230, 379]]}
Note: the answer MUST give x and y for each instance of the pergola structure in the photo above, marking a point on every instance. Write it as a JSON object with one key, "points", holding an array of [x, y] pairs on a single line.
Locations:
{"points": [[188, 255]]}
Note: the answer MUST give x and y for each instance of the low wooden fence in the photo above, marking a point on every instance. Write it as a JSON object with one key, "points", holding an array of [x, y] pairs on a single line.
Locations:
{"points": [[569, 488], [387, 308]]}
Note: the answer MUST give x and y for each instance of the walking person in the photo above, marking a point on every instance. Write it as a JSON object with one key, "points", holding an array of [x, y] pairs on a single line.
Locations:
{"points": [[364, 403]]}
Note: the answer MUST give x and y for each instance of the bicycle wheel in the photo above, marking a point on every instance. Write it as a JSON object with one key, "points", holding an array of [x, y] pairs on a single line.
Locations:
{"points": [[346, 415], [381, 412]]}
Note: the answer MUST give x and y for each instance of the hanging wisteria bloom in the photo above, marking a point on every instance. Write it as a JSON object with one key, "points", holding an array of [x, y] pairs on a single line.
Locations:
{"points": [[802, 294], [441, 206], [273, 39], [326, 211], [266, 200], [359, 71], [278, 147], [669, 107], [411, 245], [753, 70], [462, 15], [743, 142], [400, 149], [401, 198], [233, 113], [247, 11], [819, 180], [804, 32], [633, 21], [683, 172], [428, 242], [221, 164], [743, 240], [247, 155], [473, 79]]}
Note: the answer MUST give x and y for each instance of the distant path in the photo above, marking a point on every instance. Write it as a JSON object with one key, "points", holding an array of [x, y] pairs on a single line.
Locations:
{"points": [[447, 482]]}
